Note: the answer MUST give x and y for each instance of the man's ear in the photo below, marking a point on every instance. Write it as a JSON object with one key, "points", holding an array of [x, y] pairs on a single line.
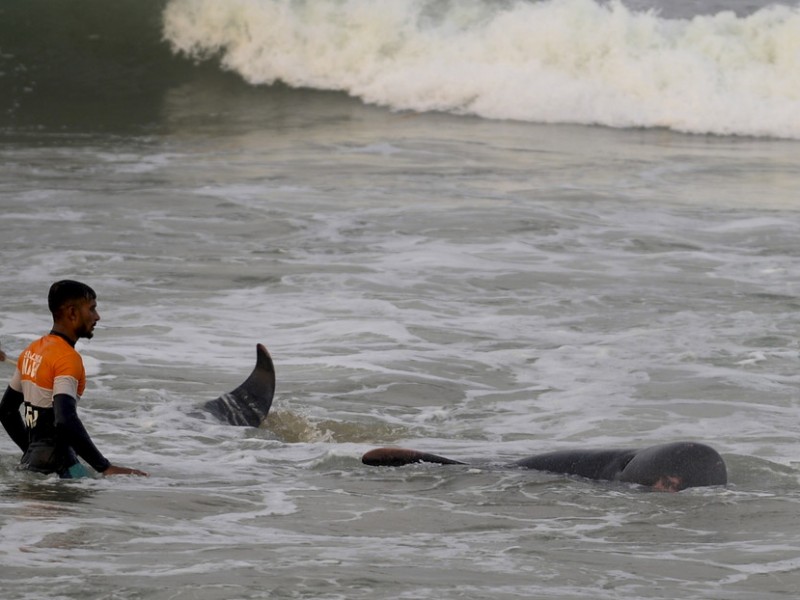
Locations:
{"points": [[70, 311]]}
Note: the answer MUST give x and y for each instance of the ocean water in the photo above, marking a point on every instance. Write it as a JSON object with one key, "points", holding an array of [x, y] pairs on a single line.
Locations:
{"points": [[482, 229]]}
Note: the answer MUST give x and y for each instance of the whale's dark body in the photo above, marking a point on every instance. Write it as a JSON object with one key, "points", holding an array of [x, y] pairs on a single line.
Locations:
{"points": [[669, 467], [248, 404], [674, 466]]}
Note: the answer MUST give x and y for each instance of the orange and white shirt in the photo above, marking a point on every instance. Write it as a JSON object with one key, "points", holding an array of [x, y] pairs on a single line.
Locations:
{"points": [[47, 367]]}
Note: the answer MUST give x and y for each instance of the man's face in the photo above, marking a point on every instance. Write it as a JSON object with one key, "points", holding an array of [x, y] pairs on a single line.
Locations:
{"points": [[87, 317]]}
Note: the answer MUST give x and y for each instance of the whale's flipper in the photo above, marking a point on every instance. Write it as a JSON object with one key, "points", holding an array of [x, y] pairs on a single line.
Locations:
{"points": [[397, 457], [249, 403]]}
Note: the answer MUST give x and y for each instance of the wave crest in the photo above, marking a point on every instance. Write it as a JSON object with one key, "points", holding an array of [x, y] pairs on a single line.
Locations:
{"points": [[558, 61]]}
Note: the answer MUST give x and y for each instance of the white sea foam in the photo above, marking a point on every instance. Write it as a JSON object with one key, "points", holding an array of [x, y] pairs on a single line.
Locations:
{"points": [[557, 61]]}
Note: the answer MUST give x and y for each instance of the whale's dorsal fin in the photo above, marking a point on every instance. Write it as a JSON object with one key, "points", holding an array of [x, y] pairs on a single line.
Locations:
{"points": [[248, 404]]}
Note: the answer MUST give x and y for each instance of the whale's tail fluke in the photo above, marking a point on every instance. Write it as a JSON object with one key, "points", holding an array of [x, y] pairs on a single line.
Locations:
{"points": [[397, 457], [248, 404]]}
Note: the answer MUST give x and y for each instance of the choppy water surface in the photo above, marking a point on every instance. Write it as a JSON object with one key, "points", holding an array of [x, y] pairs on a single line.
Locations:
{"points": [[480, 289]]}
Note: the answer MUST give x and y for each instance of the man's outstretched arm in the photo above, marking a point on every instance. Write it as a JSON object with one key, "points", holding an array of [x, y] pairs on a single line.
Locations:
{"points": [[71, 427]]}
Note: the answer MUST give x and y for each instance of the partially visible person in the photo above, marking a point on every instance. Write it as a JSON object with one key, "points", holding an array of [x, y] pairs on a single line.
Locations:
{"points": [[49, 380]]}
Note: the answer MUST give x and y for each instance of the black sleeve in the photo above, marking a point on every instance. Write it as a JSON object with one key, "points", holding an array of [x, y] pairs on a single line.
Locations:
{"points": [[70, 427], [12, 420]]}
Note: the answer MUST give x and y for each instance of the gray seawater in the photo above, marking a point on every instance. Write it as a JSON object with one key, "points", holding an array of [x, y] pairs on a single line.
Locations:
{"points": [[480, 289]]}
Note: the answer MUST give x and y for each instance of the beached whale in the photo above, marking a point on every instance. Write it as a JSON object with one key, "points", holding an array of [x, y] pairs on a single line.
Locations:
{"points": [[669, 467], [248, 404]]}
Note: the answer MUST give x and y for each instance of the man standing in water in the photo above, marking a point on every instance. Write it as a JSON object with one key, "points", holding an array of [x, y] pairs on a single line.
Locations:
{"points": [[49, 380]]}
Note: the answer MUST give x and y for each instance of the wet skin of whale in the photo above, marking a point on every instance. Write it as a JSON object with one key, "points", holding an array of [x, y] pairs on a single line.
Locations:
{"points": [[671, 467], [668, 467]]}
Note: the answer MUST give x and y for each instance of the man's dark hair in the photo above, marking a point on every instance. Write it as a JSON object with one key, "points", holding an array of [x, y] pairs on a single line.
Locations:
{"points": [[66, 291]]}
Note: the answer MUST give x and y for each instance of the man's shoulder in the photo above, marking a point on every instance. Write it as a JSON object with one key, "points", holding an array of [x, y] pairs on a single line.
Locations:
{"points": [[56, 351]]}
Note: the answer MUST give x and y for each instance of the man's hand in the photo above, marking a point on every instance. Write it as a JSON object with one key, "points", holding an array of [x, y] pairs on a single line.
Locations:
{"points": [[115, 470]]}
